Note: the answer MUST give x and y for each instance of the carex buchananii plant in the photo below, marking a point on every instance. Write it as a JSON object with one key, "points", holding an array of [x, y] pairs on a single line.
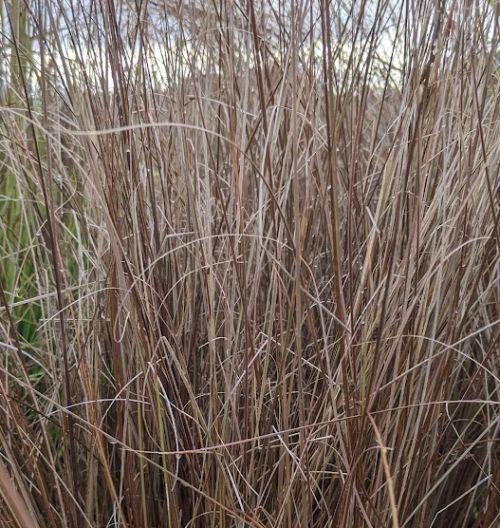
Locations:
{"points": [[249, 264]]}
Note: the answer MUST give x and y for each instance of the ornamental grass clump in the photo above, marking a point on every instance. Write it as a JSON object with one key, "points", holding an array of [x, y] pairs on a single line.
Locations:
{"points": [[249, 264]]}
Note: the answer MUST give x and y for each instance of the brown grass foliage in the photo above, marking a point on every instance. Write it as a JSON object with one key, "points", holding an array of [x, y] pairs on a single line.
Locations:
{"points": [[249, 263]]}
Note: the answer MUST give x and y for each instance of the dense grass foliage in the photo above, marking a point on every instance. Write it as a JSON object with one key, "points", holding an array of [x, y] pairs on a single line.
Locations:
{"points": [[249, 264]]}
